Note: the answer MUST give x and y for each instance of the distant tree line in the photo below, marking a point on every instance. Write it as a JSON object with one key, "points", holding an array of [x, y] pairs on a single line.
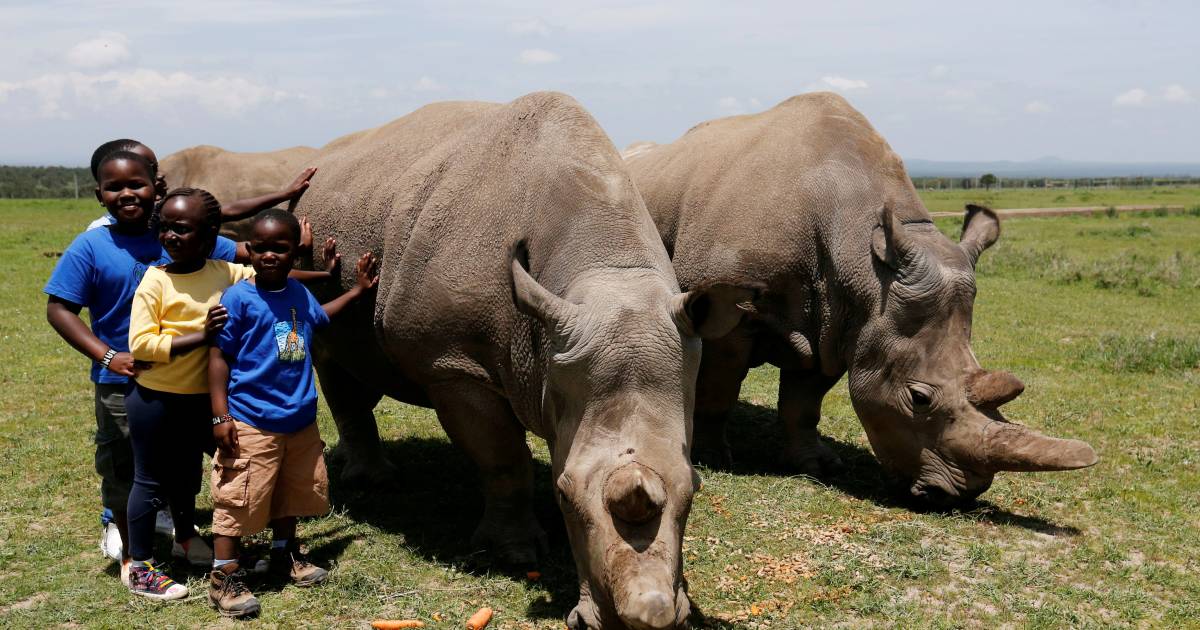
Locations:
{"points": [[44, 182], [989, 181]]}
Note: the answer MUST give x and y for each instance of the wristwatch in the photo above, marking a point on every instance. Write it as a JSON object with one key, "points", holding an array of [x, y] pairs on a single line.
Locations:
{"points": [[222, 419]]}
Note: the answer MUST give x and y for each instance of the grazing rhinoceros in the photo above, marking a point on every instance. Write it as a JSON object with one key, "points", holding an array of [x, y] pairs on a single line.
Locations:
{"points": [[579, 333], [808, 199]]}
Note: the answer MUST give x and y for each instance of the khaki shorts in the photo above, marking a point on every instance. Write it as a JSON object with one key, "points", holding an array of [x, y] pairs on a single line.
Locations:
{"points": [[273, 475], [114, 452]]}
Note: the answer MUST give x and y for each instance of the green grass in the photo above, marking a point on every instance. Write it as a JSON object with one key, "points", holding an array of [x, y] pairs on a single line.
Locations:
{"points": [[1104, 358], [954, 200]]}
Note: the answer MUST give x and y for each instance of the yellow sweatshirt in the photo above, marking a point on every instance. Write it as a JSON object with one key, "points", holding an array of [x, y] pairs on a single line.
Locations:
{"points": [[168, 305]]}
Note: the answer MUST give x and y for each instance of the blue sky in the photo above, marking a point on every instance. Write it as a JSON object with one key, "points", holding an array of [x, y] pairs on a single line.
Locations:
{"points": [[1107, 81]]}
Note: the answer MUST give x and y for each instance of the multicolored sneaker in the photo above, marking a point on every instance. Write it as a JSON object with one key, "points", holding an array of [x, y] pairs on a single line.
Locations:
{"points": [[229, 595], [148, 581], [194, 550], [294, 564], [110, 541]]}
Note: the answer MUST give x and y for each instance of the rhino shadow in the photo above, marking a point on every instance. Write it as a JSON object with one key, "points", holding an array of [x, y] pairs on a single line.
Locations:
{"points": [[755, 437], [436, 505]]}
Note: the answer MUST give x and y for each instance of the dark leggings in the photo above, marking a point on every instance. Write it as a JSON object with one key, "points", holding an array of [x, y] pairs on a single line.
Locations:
{"points": [[169, 433]]}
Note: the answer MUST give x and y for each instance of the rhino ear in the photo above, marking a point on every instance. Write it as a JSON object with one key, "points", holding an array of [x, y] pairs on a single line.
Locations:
{"points": [[714, 310], [884, 239], [981, 229], [557, 315]]}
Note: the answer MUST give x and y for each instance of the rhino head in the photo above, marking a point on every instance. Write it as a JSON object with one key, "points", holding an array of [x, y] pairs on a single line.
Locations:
{"points": [[930, 411], [620, 373]]}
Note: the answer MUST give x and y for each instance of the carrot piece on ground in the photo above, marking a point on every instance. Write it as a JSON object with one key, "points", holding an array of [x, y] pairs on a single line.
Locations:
{"points": [[481, 618], [533, 576], [396, 624]]}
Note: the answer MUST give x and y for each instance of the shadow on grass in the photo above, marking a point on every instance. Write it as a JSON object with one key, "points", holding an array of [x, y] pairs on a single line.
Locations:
{"points": [[437, 503], [755, 438]]}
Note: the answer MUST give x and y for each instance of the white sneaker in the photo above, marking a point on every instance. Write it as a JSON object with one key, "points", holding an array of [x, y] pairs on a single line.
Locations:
{"points": [[197, 552], [110, 542], [163, 523]]}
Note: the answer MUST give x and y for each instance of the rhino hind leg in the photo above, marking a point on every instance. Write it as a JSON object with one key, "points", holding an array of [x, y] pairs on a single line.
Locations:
{"points": [[353, 406], [800, 396], [481, 423], [723, 366]]}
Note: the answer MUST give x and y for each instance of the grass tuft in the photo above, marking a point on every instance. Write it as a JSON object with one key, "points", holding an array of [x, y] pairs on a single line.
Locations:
{"points": [[1149, 354]]}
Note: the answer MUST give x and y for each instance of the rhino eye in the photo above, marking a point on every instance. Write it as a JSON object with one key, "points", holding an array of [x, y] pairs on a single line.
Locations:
{"points": [[920, 400]]}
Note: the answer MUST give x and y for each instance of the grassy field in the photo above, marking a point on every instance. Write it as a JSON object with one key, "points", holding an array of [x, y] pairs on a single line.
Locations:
{"points": [[1097, 315], [954, 200]]}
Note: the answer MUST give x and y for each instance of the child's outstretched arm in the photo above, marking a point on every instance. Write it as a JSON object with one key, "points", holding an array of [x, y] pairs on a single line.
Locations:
{"points": [[63, 316], [246, 207], [366, 278], [224, 432], [332, 261]]}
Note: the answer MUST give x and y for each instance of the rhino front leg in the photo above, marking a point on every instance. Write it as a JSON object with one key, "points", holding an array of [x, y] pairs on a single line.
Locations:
{"points": [[800, 395], [481, 423], [353, 406], [723, 366]]}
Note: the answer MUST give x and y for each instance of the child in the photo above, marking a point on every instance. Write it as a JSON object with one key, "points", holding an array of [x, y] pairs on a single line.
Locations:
{"points": [[100, 270], [174, 314], [269, 468], [230, 212]]}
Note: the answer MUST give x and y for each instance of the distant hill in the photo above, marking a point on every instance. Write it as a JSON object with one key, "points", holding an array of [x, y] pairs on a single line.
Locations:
{"points": [[1050, 167]]}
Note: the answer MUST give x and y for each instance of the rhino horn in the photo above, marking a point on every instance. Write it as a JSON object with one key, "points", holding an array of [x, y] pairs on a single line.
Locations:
{"points": [[557, 315], [634, 494], [989, 390], [1013, 447]]}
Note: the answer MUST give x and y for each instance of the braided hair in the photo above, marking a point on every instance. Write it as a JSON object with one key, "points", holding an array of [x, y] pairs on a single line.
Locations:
{"points": [[212, 207], [102, 152]]}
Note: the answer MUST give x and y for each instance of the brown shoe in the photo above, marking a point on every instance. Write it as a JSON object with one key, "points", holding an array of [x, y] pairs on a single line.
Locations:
{"points": [[229, 595], [295, 565]]}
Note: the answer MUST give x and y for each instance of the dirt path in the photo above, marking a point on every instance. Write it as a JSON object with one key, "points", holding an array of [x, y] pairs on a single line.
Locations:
{"points": [[1009, 213]]}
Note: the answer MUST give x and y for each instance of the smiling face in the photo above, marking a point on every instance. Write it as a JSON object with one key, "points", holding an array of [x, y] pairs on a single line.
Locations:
{"points": [[272, 251], [126, 190], [183, 230]]}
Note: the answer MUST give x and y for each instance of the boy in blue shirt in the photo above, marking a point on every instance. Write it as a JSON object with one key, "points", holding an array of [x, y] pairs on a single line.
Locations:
{"points": [[269, 468], [101, 270]]}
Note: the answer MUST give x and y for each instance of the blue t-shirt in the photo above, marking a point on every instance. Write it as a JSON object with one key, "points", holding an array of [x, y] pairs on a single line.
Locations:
{"points": [[267, 341], [101, 270]]}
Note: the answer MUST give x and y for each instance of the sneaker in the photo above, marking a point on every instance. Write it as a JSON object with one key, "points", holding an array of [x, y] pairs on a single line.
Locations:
{"points": [[229, 595], [194, 550], [148, 581], [295, 565], [163, 524], [110, 541]]}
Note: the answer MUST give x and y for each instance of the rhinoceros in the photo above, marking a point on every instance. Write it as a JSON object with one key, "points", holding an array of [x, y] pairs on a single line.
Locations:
{"points": [[808, 199], [523, 287]]}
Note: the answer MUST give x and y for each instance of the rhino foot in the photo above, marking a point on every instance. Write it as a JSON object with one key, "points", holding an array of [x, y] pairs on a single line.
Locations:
{"points": [[512, 543], [813, 458], [360, 470]]}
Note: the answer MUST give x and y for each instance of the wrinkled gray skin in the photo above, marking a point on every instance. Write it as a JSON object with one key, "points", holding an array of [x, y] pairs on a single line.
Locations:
{"points": [[580, 335], [808, 199]]}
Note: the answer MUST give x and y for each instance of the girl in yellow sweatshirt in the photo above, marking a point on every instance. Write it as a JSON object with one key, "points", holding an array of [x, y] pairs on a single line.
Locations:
{"points": [[175, 313]]}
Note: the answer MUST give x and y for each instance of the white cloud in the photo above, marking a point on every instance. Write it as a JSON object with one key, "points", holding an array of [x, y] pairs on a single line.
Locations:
{"points": [[529, 27], [536, 56], [107, 50], [58, 95], [1037, 107], [939, 71], [426, 84], [1136, 97], [958, 94], [1176, 93], [838, 84]]}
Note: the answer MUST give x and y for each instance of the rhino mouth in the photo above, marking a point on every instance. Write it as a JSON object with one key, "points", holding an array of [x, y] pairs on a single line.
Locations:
{"points": [[943, 482]]}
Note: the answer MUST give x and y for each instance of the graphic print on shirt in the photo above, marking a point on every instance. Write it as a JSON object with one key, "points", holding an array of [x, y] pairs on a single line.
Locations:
{"points": [[289, 336]]}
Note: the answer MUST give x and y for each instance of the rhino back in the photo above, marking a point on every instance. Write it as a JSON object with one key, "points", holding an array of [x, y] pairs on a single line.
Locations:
{"points": [[442, 195], [229, 175], [767, 196]]}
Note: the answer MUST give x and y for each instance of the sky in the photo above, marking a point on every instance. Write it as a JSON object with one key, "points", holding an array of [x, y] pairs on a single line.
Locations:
{"points": [[1099, 81]]}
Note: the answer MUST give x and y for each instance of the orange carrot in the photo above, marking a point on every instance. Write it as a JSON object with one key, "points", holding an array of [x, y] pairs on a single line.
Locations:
{"points": [[533, 576], [396, 624], [481, 618]]}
